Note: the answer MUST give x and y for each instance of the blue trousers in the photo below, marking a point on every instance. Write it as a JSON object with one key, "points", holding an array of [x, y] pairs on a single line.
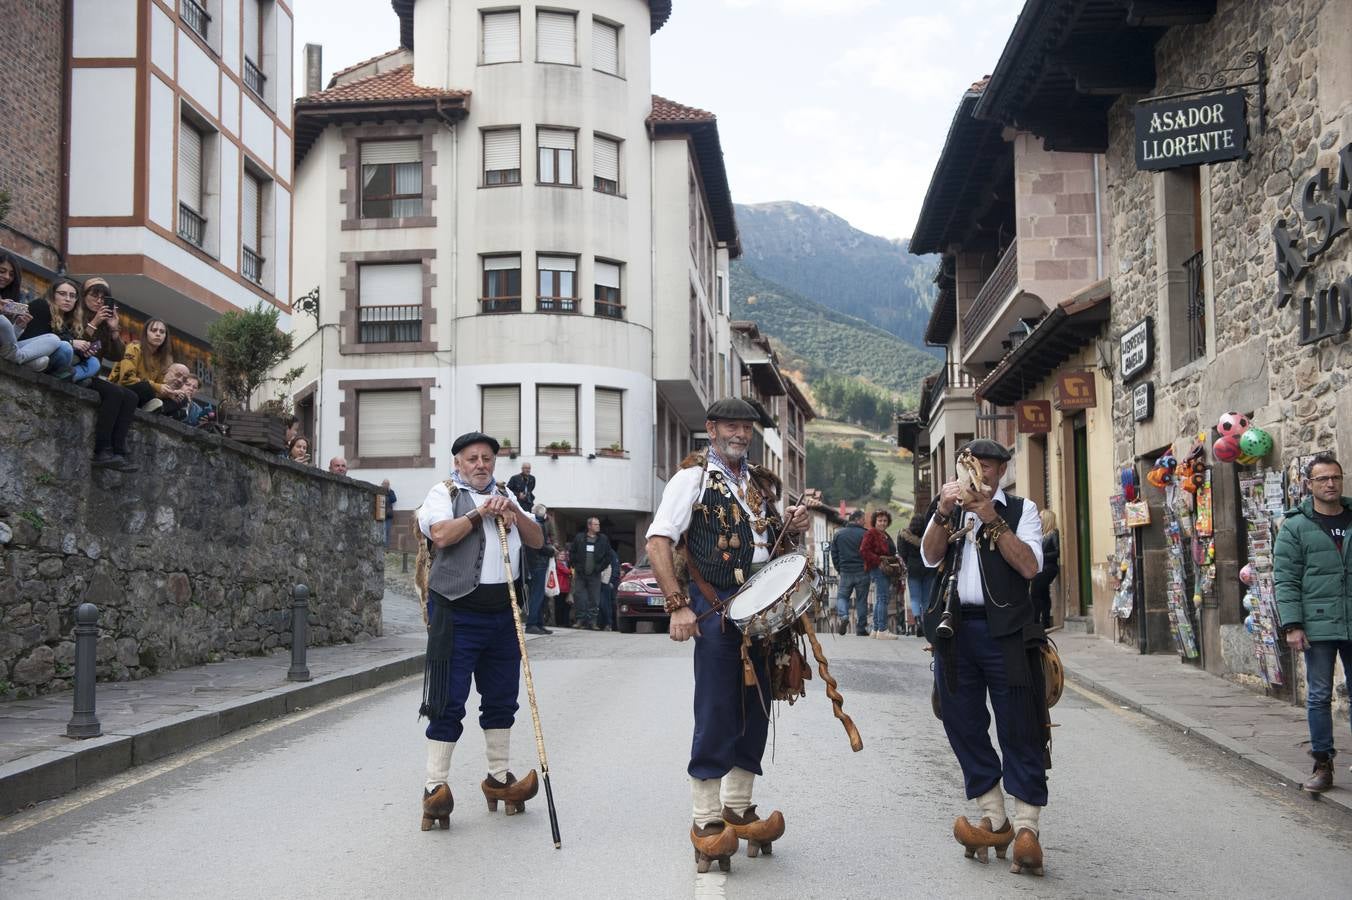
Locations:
{"points": [[1319, 689], [485, 649], [882, 592], [730, 722], [918, 588], [967, 721], [536, 597], [607, 615], [853, 583]]}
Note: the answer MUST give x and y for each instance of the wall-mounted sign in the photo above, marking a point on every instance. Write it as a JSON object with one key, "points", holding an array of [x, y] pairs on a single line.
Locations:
{"points": [[1076, 390], [1137, 346], [1033, 416], [1143, 401], [1324, 312], [1189, 131]]}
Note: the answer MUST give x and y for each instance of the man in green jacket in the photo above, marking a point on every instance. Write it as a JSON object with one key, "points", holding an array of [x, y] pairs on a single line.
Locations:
{"points": [[1313, 565]]}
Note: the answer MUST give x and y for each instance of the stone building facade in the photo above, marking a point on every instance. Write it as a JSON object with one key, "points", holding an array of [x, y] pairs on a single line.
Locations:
{"points": [[190, 560]]}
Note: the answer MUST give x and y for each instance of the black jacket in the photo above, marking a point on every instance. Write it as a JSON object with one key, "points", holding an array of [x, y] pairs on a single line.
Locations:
{"points": [[523, 489], [536, 559], [578, 553], [845, 554]]}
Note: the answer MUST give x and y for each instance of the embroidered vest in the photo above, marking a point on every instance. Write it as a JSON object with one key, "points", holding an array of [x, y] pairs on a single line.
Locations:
{"points": [[721, 541], [1009, 604]]}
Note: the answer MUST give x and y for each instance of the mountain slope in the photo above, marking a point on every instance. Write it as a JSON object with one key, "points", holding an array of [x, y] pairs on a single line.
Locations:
{"points": [[820, 256]]}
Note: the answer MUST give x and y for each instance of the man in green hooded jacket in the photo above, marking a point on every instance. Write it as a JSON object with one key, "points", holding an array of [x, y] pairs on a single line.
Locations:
{"points": [[1313, 576]]}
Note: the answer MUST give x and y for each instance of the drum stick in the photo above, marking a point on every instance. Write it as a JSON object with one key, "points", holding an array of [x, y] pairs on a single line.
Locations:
{"points": [[783, 531], [837, 701]]}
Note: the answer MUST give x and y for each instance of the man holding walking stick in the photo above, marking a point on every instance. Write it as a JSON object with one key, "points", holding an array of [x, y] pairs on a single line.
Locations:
{"points": [[471, 624]]}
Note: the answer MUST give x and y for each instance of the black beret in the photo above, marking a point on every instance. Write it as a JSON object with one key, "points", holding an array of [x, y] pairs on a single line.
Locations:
{"points": [[983, 448], [732, 409], [474, 437]]}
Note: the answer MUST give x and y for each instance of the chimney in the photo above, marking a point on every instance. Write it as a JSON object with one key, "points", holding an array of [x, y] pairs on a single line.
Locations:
{"points": [[314, 68]]}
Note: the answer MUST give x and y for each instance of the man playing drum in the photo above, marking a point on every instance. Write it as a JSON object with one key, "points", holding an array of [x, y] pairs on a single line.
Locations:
{"points": [[721, 511]]}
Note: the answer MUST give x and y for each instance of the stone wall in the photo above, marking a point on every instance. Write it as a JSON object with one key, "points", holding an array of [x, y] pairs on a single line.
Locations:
{"points": [[189, 560]]}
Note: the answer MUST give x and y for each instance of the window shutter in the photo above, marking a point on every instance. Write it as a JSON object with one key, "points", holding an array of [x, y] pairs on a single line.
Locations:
{"points": [[501, 263], [390, 285], [190, 166], [606, 158], [251, 32], [556, 37], [249, 227], [502, 37], [502, 149], [389, 423], [502, 412], [557, 263], [556, 412], [607, 274], [609, 418], [556, 138], [378, 153], [605, 47]]}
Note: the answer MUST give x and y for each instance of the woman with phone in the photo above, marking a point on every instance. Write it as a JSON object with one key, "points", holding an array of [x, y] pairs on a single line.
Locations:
{"points": [[96, 322]]}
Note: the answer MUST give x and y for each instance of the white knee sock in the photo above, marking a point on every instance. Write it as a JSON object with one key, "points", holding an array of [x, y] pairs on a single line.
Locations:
{"points": [[1026, 816], [737, 786], [707, 806], [992, 805], [496, 742], [438, 762]]}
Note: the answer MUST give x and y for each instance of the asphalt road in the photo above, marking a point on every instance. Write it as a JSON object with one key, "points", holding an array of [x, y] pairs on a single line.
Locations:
{"points": [[326, 804]]}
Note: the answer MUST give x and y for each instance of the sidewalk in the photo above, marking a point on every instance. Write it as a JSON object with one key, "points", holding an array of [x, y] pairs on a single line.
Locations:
{"points": [[1270, 734], [154, 717]]}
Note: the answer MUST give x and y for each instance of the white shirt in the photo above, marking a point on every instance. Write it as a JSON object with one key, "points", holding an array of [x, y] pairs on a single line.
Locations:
{"points": [[1029, 531], [437, 508], [683, 491]]}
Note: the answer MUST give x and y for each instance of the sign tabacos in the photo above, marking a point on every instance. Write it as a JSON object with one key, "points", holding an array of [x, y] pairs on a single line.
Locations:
{"points": [[1188, 131]]}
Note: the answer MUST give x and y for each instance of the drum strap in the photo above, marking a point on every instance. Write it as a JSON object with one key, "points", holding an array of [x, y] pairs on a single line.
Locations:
{"points": [[715, 605]]}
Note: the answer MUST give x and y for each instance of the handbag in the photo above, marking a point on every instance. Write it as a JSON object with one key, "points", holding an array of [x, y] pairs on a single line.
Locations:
{"points": [[551, 580]]}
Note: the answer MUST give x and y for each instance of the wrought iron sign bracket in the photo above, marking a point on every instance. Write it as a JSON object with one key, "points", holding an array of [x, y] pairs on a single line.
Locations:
{"points": [[1210, 82], [309, 302]]}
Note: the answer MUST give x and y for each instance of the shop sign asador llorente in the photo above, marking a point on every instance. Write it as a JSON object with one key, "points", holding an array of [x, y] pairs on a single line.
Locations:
{"points": [[1324, 205], [1190, 131]]}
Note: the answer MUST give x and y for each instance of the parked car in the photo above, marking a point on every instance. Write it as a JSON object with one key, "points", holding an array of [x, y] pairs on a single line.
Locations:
{"points": [[639, 599]]}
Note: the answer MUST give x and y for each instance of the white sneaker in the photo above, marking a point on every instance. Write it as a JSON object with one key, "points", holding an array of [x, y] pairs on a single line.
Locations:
{"points": [[152, 404], [39, 364], [884, 635]]}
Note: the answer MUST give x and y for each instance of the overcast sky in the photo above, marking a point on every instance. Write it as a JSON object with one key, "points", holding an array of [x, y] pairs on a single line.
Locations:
{"points": [[837, 103]]}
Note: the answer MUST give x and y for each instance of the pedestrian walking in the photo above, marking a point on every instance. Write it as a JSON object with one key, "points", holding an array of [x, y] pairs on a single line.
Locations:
{"points": [[724, 543], [882, 565], [1314, 600], [994, 651], [849, 564], [590, 554], [920, 578], [1051, 567], [470, 628]]}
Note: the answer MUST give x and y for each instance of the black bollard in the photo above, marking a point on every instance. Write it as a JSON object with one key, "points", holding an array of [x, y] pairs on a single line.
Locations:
{"points": [[403, 566], [300, 633], [83, 722]]}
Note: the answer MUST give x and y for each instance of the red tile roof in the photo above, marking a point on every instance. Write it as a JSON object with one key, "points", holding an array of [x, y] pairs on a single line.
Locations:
{"points": [[333, 79], [396, 84], [669, 111]]}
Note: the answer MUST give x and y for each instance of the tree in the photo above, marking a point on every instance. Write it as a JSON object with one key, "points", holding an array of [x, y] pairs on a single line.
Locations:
{"points": [[885, 487], [245, 347]]}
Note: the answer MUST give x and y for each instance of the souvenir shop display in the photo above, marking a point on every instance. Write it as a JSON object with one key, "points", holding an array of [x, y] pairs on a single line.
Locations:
{"points": [[1261, 495], [1120, 561], [1178, 530]]}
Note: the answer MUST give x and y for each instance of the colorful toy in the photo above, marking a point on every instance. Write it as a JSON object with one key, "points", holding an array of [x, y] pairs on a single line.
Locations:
{"points": [[1129, 483], [1232, 423], [1226, 448], [1255, 442], [1163, 474]]}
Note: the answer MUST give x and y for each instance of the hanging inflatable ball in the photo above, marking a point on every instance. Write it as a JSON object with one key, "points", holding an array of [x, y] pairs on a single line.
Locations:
{"points": [[1247, 602], [1255, 442], [1226, 448], [1232, 423], [1247, 576], [1249, 624]]}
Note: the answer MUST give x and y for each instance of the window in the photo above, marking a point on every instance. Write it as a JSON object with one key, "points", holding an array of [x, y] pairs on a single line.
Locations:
{"points": [[1180, 252], [556, 417], [389, 424], [502, 156], [500, 413], [609, 419], [605, 47], [391, 179], [502, 37], [389, 301], [606, 160], [607, 275], [557, 146], [192, 224], [556, 37], [254, 79], [557, 284], [251, 227], [195, 16], [502, 284]]}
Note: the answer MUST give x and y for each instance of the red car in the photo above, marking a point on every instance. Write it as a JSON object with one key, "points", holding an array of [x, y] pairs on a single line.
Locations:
{"points": [[639, 599]]}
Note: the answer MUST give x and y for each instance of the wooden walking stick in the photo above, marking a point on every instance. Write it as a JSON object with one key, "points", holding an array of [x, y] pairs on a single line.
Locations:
{"points": [[837, 701], [530, 684]]}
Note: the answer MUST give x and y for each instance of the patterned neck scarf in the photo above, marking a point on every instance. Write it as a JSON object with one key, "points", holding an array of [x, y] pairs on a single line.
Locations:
{"points": [[465, 485], [716, 460]]}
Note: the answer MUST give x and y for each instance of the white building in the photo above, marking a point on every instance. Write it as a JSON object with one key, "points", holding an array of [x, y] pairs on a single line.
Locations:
{"points": [[510, 233], [180, 154]]}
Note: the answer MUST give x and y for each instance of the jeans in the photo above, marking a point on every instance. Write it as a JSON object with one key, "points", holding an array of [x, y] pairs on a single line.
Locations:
{"points": [[1319, 689], [586, 598], [607, 618], [856, 583], [537, 594], [86, 368], [918, 587], [882, 592], [20, 350], [61, 358]]}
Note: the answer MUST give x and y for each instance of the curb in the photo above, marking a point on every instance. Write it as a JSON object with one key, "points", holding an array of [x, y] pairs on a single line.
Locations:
{"points": [[51, 773], [1208, 736]]}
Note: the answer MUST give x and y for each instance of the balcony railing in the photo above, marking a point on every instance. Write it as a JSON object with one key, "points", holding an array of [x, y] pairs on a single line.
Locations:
{"points": [[192, 227], [254, 79], [609, 310], [253, 266], [991, 296], [499, 304], [949, 376], [389, 324], [557, 304], [195, 17], [1192, 268]]}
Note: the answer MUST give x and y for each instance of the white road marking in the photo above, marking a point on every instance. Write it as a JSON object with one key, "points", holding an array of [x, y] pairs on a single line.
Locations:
{"points": [[711, 884]]}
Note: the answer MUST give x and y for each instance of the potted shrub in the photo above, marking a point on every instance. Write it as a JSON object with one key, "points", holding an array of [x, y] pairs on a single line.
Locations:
{"points": [[615, 451], [246, 346], [508, 448]]}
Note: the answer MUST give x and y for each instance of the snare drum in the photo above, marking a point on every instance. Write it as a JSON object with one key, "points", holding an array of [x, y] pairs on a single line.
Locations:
{"points": [[776, 596]]}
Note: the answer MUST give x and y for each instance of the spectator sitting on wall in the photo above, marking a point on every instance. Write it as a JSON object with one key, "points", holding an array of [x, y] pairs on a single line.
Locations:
{"points": [[62, 299], [338, 466], [96, 322], [196, 412], [35, 352], [41, 309], [143, 369], [299, 451]]}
